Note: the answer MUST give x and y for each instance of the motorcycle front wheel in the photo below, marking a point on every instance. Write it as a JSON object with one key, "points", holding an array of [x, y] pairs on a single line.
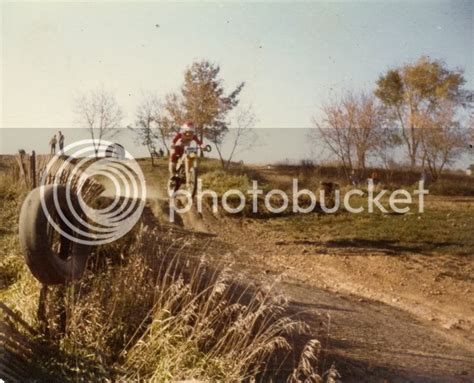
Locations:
{"points": [[173, 185], [192, 181]]}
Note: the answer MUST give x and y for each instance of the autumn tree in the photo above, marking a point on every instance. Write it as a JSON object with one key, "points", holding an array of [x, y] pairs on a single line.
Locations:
{"points": [[203, 100], [442, 137], [351, 128], [99, 113], [418, 89]]}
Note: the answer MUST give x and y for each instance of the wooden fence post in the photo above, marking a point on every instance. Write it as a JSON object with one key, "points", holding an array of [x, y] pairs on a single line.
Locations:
{"points": [[33, 169]]}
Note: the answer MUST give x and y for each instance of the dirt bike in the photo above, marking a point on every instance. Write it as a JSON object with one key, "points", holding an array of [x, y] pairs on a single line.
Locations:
{"points": [[186, 171]]}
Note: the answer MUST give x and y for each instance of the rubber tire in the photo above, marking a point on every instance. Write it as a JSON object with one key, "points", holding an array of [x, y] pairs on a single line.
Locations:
{"points": [[37, 249]]}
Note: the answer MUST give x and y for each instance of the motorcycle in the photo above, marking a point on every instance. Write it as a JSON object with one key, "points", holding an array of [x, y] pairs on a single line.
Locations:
{"points": [[186, 171]]}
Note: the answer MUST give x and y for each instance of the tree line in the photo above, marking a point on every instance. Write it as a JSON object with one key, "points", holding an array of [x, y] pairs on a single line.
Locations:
{"points": [[201, 99], [421, 108]]}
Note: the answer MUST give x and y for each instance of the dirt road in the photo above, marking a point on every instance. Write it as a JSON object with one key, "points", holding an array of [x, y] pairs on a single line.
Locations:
{"points": [[377, 334]]}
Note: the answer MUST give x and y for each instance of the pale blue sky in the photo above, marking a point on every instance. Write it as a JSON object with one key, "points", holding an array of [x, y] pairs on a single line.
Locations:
{"points": [[291, 56]]}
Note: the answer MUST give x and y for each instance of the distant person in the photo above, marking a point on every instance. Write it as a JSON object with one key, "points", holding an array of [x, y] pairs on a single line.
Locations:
{"points": [[61, 142], [375, 177], [354, 178], [161, 153], [425, 178], [52, 144]]}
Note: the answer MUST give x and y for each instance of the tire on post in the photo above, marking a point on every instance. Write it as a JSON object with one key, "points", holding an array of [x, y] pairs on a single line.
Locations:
{"points": [[52, 257]]}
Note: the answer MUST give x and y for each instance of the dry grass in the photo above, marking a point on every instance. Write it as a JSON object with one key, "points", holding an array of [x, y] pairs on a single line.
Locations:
{"points": [[158, 316], [11, 264], [143, 312], [198, 332], [187, 323]]}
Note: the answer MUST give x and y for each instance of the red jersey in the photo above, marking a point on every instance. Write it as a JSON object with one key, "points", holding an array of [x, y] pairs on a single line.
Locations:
{"points": [[182, 140]]}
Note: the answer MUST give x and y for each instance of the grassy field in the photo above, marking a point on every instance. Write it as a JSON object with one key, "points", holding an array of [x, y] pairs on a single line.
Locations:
{"points": [[445, 226], [11, 265], [440, 229]]}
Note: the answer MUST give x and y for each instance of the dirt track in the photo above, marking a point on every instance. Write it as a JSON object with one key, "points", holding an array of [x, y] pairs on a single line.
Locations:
{"points": [[373, 336], [375, 340]]}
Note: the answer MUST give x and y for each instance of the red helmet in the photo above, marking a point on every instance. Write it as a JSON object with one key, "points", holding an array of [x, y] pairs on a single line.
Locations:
{"points": [[188, 127]]}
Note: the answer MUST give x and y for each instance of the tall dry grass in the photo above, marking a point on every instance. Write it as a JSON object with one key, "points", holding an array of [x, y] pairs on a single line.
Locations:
{"points": [[153, 310], [197, 332], [157, 315]]}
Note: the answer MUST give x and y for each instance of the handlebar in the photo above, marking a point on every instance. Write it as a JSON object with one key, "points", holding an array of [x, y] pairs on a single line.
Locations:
{"points": [[206, 148]]}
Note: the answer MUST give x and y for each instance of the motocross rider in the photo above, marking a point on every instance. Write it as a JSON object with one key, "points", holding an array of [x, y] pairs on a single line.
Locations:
{"points": [[182, 140]]}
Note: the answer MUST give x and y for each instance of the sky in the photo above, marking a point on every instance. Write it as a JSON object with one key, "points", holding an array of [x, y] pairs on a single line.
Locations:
{"points": [[293, 57]]}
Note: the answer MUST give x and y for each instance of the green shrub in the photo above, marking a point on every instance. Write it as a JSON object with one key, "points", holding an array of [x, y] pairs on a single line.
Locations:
{"points": [[221, 181]]}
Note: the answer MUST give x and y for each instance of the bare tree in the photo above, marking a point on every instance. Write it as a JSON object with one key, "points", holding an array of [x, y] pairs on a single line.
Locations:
{"points": [[152, 125], [470, 131], [99, 113], [333, 129], [368, 133], [165, 127], [443, 139], [240, 137], [385, 150], [145, 116], [351, 128]]}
